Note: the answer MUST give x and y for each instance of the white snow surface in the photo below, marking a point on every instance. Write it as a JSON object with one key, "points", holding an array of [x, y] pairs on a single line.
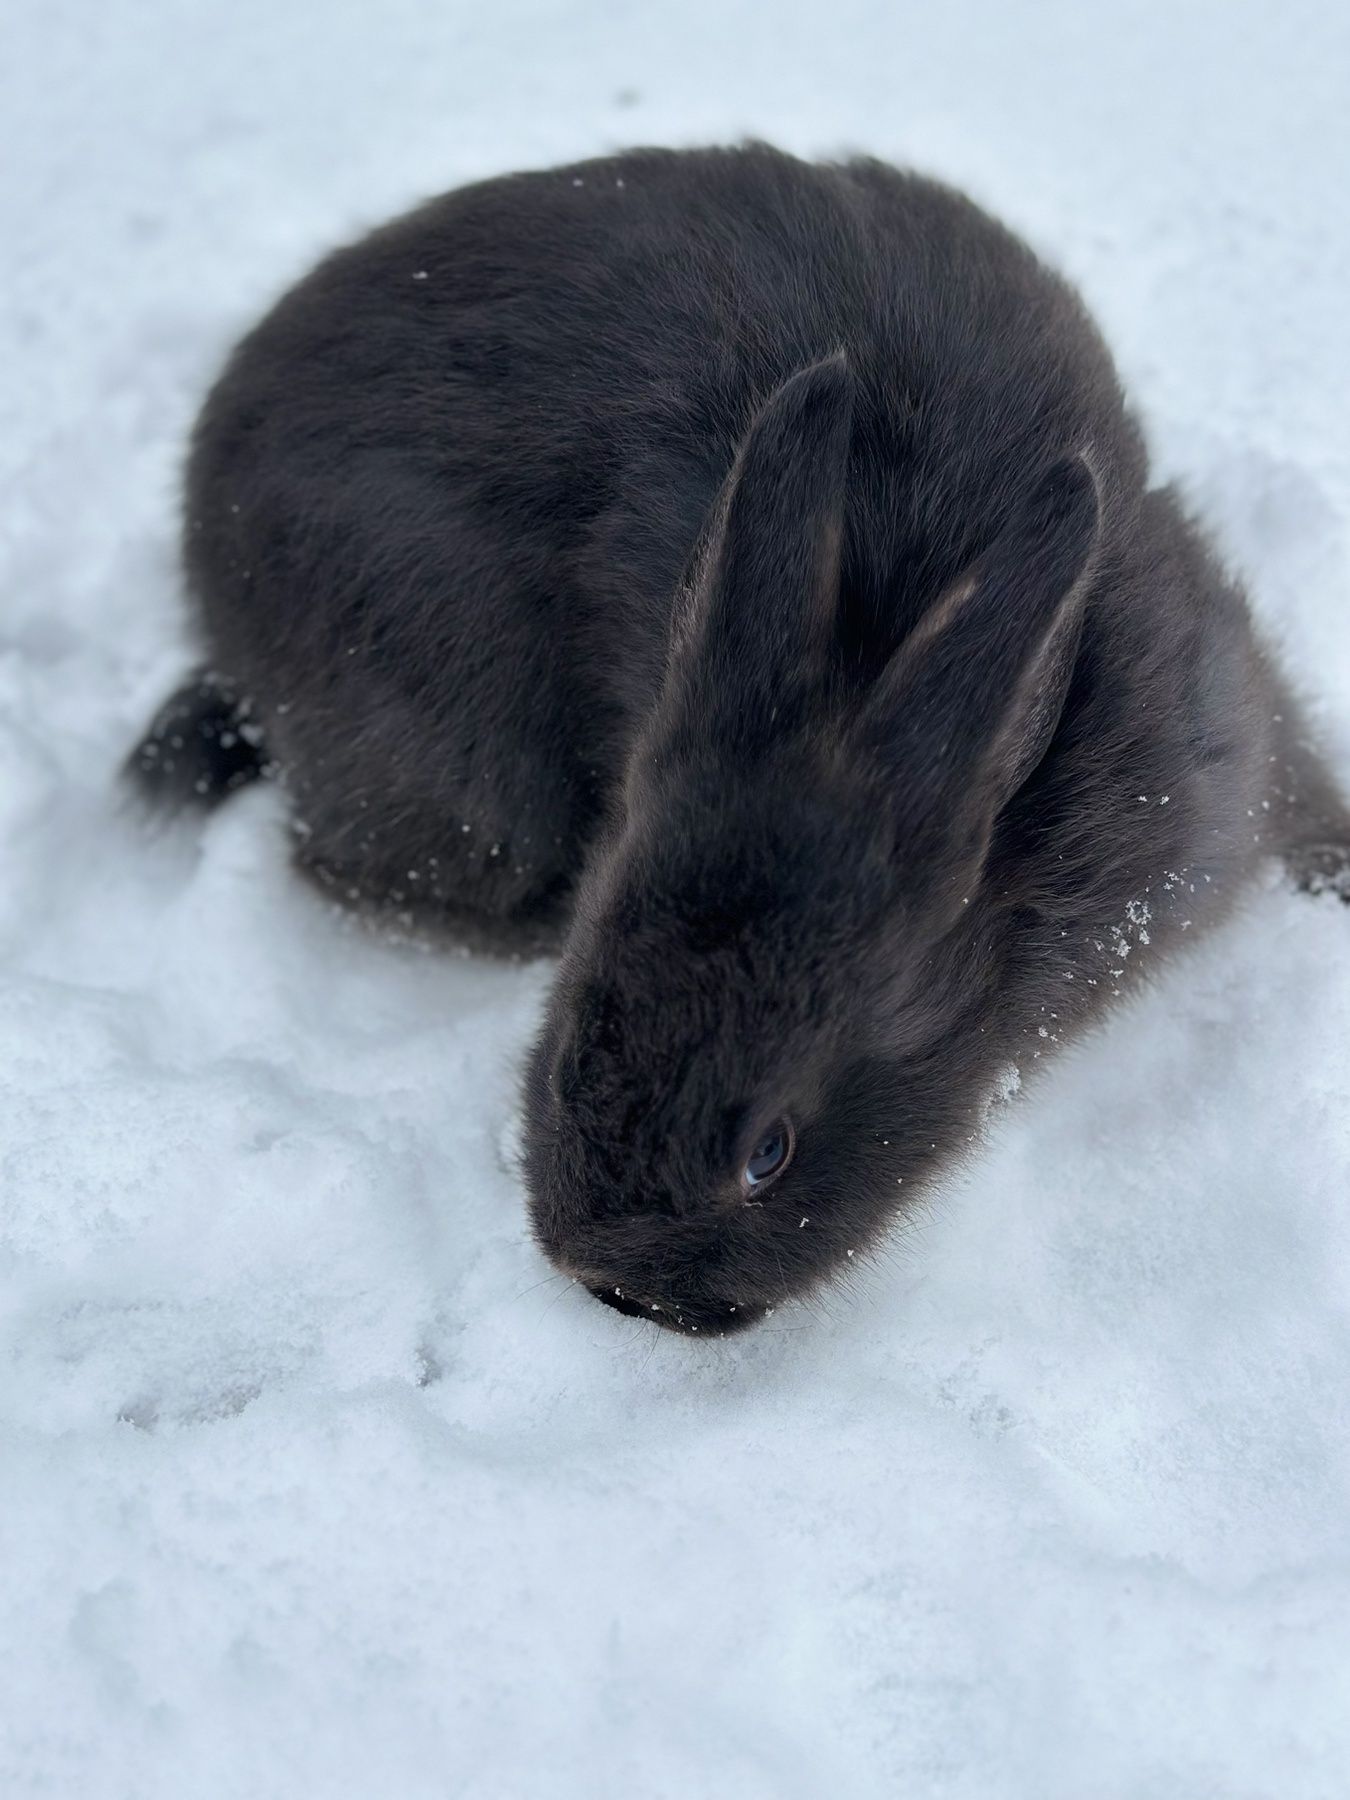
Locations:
{"points": [[313, 1481]]}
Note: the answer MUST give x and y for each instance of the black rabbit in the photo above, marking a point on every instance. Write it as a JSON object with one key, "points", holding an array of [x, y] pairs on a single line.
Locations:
{"points": [[750, 567]]}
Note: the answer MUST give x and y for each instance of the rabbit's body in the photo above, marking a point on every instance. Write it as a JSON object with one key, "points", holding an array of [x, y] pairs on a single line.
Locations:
{"points": [[471, 554]]}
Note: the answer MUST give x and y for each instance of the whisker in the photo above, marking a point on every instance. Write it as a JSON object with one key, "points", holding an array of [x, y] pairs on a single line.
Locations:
{"points": [[534, 1286], [557, 1295]]}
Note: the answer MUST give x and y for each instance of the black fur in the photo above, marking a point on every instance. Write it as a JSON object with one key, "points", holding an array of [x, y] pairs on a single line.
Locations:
{"points": [[752, 566], [200, 746]]}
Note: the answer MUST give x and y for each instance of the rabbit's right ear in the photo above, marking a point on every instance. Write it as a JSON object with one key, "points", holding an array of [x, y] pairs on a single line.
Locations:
{"points": [[761, 609], [966, 709]]}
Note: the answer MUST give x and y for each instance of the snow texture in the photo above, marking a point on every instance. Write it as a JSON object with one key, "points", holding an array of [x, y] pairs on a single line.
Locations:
{"points": [[313, 1481]]}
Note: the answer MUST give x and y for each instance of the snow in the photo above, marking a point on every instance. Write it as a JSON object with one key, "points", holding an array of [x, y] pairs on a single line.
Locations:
{"points": [[313, 1480]]}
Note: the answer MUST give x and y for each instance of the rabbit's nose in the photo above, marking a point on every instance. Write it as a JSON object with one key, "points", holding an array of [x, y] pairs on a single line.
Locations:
{"points": [[691, 1317], [624, 1303]]}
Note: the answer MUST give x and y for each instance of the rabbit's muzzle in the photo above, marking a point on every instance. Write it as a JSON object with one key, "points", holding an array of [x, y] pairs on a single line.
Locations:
{"points": [[690, 1316]]}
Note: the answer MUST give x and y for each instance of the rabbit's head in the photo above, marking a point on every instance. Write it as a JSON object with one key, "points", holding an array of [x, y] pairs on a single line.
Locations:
{"points": [[767, 1027]]}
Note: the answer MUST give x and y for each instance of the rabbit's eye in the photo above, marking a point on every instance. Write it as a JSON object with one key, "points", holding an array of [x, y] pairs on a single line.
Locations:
{"points": [[770, 1156]]}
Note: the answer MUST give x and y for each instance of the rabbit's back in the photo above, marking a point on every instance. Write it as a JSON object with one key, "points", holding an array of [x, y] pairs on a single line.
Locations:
{"points": [[558, 367], [441, 499]]}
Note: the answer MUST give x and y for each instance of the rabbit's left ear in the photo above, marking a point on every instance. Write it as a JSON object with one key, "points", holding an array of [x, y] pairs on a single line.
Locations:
{"points": [[968, 706], [767, 593]]}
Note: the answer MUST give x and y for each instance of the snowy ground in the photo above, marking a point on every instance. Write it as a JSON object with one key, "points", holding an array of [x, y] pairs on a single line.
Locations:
{"points": [[312, 1482]]}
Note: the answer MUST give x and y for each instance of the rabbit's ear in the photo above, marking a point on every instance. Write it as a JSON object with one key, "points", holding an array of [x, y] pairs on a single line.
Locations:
{"points": [[766, 594], [968, 705]]}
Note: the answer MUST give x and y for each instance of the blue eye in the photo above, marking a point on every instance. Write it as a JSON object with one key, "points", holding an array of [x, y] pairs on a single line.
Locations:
{"points": [[770, 1156]]}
